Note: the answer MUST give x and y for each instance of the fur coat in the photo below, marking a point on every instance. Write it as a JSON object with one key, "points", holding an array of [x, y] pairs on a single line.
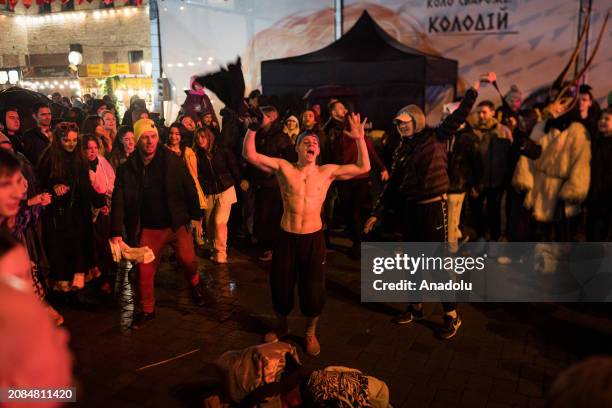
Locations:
{"points": [[562, 173]]}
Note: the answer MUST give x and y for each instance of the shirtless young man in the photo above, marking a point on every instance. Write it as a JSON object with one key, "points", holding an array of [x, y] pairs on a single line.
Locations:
{"points": [[300, 253]]}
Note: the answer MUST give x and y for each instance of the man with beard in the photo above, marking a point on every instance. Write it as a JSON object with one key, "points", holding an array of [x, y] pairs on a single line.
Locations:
{"points": [[493, 146], [155, 199], [418, 188], [36, 140], [268, 210], [333, 129], [300, 252]]}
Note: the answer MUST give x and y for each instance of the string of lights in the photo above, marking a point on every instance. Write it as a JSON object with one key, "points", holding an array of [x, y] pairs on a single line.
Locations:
{"points": [[79, 16]]}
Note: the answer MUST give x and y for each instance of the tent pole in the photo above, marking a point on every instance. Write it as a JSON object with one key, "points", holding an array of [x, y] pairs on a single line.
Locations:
{"points": [[339, 20]]}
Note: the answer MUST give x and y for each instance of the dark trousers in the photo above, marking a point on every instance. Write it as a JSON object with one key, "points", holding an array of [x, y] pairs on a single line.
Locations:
{"points": [[267, 216], [486, 211], [355, 200], [599, 221], [67, 237], [518, 218], [102, 254], [427, 223], [299, 258]]}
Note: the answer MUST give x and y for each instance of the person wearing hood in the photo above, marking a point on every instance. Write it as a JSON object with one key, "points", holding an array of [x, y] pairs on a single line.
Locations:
{"points": [[418, 187], [135, 103], [291, 128], [494, 144], [11, 122], [197, 102], [218, 173]]}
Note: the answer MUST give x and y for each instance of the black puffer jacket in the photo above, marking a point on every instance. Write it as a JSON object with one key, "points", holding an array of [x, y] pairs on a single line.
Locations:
{"points": [[218, 171], [464, 164], [420, 168], [181, 194]]}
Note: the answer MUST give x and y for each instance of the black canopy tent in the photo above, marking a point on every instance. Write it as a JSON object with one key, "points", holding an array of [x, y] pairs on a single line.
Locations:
{"points": [[386, 74]]}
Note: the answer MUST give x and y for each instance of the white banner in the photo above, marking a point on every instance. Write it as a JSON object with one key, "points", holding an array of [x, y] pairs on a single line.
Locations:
{"points": [[525, 41]]}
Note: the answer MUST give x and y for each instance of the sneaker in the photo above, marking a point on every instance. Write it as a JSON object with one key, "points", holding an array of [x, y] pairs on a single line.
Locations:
{"points": [[451, 326], [78, 282], [142, 319], [198, 292], [313, 348], [409, 316], [267, 256]]}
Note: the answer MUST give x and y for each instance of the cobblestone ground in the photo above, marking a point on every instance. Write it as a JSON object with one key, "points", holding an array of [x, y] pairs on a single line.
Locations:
{"points": [[505, 355]]}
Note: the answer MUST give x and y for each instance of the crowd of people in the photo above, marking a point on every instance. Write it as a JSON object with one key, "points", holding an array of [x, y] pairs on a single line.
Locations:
{"points": [[77, 181]]}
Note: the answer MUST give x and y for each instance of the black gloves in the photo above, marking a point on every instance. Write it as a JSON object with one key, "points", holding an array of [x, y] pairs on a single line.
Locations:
{"points": [[253, 119]]}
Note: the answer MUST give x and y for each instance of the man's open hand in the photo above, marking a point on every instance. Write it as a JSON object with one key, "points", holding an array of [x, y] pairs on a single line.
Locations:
{"points": [[357, 128]]}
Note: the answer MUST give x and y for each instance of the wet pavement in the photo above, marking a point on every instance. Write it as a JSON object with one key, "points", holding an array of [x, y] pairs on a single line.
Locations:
{"points": [[505, 355]]}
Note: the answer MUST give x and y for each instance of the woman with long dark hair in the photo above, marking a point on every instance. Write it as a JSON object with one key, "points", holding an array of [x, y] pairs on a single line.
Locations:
{"points": [[175, 145], [67, 222], [123, 147], [218, 172], [109, 123], [102, 177], [25, 225], [93, 124]]}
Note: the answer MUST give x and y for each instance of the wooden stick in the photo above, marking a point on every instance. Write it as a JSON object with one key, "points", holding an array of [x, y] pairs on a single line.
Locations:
{"points": [[168, 360]]}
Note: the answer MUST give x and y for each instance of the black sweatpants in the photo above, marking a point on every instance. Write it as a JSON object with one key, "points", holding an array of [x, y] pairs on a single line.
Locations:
{"points": [[267, 216], [299, 258], [427, 223], [355, 200]]}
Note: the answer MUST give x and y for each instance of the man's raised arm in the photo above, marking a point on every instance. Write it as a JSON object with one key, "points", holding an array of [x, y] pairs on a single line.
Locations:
{"points": [[249, 152], [357, 132]]}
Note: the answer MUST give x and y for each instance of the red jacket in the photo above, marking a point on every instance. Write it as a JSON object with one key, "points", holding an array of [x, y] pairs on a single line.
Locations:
{"points": [[345, 152]]}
